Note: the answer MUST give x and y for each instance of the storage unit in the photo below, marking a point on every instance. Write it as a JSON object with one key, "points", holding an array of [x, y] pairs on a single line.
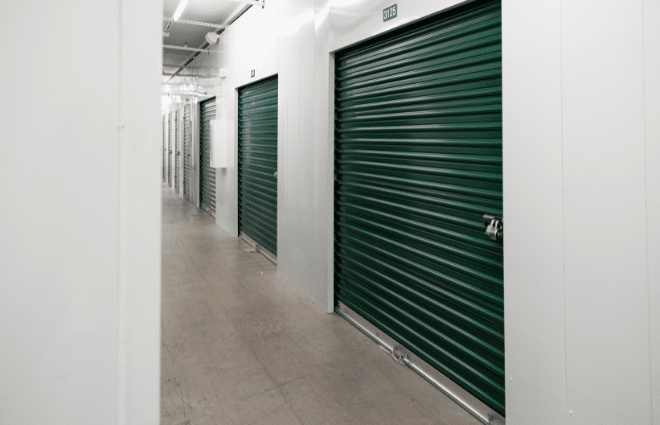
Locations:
{"points": [[177, 150], [206, 173], [257, 163], [418, 162], [187, 152], [169, 148]]}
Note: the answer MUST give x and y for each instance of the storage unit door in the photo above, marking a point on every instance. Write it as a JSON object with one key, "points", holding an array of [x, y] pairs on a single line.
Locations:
{"points": [[164, 149], [169, 149], [418, 162], [257, 163], [187, 151], [206, 173], [177, 151]]}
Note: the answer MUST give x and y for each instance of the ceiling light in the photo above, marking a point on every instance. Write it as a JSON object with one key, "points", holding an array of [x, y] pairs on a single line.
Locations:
{"points": [[179, 9], [261, 3], [211, 37]]}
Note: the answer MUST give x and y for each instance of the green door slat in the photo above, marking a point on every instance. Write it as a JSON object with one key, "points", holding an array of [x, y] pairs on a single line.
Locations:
{"points": [[206, 173], [176, 153], [187, 152], [445, 27], [418, 162], [169, 149], [164, 151], [257, 162]]}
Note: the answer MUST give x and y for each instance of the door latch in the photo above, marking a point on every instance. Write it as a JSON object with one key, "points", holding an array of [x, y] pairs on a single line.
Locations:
{"points": [[494, 228]]}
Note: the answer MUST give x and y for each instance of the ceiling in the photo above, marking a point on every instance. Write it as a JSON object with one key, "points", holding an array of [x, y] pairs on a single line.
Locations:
{"points": [[221, 12]]}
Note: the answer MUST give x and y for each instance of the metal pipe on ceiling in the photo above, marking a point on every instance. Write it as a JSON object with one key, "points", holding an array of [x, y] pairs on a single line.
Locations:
{"points": [[201, 68], [190, 49], [191, 75]]}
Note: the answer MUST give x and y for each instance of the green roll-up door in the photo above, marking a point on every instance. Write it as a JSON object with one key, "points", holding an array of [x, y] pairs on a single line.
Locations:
{"points": [[206, 173], [418, 162], [187, 151], [164, 148], [169, 149], [257, 163], [177, 151]]}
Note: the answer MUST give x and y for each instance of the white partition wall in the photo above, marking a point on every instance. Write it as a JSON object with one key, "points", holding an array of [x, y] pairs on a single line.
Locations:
{"points": [[139, 215], [532, 149], [80, 221], [580, 154]]}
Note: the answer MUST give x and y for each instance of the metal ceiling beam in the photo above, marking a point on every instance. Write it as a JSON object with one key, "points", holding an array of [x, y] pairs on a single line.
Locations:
{"points": [[201, 24], [192, 68]]}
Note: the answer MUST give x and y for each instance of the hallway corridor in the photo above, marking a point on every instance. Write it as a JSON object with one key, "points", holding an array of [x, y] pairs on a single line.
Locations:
{"points": [[241, 346]]}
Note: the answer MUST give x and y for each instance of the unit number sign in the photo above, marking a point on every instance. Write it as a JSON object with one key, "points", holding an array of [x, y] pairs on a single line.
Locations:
{"points": [[389, 13]]}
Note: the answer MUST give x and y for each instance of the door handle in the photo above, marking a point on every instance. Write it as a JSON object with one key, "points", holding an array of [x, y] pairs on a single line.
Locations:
{"points": [[494, 228]]}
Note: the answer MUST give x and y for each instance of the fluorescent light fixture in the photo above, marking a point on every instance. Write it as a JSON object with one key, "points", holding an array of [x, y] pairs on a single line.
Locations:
{"points": [[179, 9], [261, 3]]}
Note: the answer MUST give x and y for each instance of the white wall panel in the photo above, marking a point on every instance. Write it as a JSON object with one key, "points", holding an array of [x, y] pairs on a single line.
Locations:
{"points": [[140, 214], [528, 404], [607, 315], [79, 313], [306, 142], [323, 195], [652, 106], [303, 236], [59, 247], [251, 44], [533, 252], [609, 176], [288, 147]]}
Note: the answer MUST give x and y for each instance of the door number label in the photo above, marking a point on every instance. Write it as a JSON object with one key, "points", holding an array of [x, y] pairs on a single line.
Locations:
{"points": [[252, 73], [389, 13]]}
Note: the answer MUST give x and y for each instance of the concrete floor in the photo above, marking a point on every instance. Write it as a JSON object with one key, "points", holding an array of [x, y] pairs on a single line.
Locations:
{"points": [[242, 346]]}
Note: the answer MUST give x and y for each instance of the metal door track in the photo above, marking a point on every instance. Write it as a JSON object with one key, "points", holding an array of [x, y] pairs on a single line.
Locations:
{"points": [[404, 357], [258, 248]]}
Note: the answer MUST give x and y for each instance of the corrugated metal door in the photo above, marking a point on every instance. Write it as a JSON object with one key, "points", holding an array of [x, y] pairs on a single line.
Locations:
{"points": [[206, 173], [418, 162], [169, 148], [187, 152], [257, 163], [164, 149], [177, 151]]}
